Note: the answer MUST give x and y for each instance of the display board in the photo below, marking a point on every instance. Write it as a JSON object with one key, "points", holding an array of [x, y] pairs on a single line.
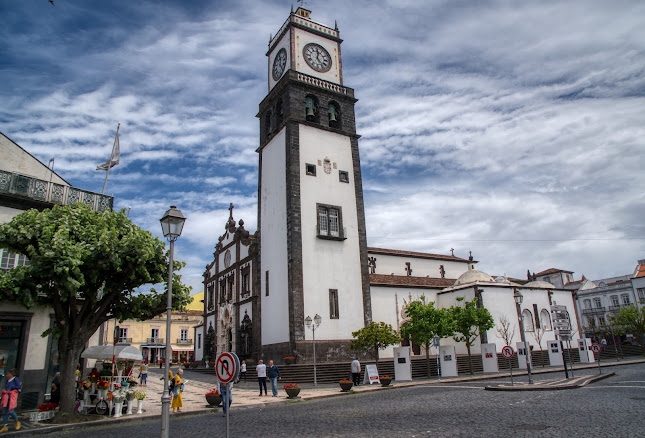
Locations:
{"points": [[489, 358], [521, 355], [555, 353], [448, 361], [584, 350], [371, 374], [402, 364]]}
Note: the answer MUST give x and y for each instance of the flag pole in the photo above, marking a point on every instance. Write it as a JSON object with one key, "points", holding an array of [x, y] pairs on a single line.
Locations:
{"points": [[107, 172]]}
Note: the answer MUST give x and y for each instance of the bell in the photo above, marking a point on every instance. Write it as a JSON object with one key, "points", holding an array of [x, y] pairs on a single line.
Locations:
{"points": [[332, 116], [310, 112]]}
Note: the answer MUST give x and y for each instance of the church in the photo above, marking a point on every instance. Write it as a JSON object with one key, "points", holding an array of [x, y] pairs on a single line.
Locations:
{"points": [[307, 273]]}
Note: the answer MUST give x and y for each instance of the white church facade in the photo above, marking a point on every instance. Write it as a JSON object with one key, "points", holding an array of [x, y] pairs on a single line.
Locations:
{"points": [[310, 256]]}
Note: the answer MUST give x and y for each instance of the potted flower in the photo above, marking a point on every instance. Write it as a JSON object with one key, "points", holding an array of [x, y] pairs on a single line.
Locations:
{"points": [[290, 360], [102, 386], [385, 380], [213, 397], [140, 396], [293, 389], [129, 397], [345, 384], [118, 397]]}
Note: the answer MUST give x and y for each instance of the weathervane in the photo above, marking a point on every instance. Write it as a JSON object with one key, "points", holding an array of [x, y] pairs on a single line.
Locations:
{"points": [[302, 2]]}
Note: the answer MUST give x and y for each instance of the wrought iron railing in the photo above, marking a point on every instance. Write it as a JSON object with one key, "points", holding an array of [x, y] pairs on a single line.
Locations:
{"points": [[33, 188], [594, 310], [185, 341], [156, 341], [124, 341]]}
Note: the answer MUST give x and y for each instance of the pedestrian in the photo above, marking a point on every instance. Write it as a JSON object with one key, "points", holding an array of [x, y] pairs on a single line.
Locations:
{"points": [[261, 370], [9, 397], [242, 371], [177, 389], [143, 374], [356, 372], [161, 362], [274, 375], [227, 397], [603, 342], [55, 393]]}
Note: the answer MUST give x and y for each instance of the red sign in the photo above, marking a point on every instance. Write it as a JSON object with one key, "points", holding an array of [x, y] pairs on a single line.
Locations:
{"points": [[507, 351], [595, 348], [226, 367]]}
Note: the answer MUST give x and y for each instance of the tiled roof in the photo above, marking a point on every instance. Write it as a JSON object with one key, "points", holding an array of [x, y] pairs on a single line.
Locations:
{"points": [[423, 255], [641, 271], [553, 271], [409, 281]]}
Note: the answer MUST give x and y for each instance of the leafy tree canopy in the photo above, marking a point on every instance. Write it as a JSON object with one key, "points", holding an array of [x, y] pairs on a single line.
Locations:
{"points": [[469, 320], [425, 322], [376, 336], [631, 320]]}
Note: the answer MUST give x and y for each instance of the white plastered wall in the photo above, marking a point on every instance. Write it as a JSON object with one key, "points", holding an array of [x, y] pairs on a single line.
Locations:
{"points": [[390, 264]]}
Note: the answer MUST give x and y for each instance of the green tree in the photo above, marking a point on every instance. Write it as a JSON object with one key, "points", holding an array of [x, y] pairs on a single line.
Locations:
{"points": [[376, 336], [631, 320], [469, 321], [85, 266], [424, 323]]}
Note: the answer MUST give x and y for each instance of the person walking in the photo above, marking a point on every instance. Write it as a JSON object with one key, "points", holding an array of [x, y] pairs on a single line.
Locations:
{"points": [[227, 397], [274, 374], [177, 389], [242, 371], [55, 393], [356, 372], [9, 397], [261, 370], [143, 376]]}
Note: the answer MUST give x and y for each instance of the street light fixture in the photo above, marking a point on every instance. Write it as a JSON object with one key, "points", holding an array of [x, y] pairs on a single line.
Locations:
{"points": [[518, 307], [172, 223], [313, 327]]}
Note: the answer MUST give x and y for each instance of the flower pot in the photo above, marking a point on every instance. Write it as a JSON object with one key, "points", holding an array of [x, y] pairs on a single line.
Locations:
{"points": [[346, 386], [93, 386], [110, 405], [101, 394], [86, 397], [214, 400], [139, 406], [292, 392], [130, 404], [118, 409], [385, 382]]}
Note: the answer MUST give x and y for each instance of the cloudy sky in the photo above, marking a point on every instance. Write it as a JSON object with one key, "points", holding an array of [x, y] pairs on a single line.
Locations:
{"points": [[515, 130]]}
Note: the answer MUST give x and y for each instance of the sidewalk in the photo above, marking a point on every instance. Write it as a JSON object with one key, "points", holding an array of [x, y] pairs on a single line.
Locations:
{"points": [[245, 394]]}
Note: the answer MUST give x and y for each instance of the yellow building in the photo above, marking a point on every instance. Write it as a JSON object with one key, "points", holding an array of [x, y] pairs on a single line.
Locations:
{"points": [[197, 303]]}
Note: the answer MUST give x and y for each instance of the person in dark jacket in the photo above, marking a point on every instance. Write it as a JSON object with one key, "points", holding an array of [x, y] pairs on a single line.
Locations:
{"points": [[55, 394], [273, 373]]}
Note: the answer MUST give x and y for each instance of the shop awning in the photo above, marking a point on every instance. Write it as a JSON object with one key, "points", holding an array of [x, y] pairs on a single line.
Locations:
{"points": [[105, 352], [182, 348], [153, 346]]}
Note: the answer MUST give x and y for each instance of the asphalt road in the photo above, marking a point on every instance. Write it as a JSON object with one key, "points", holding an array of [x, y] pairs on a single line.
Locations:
{"points": [[613, 407]]}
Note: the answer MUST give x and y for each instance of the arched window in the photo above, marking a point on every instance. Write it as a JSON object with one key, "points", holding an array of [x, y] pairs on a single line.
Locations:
{"points": [[311, 108], [527, 320], [545, 320], [268, 123], [279, 112], [333, 111]]}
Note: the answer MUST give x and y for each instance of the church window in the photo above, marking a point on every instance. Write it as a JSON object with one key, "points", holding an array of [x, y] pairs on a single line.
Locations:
{"points": [[333, 303], [229, 295], [333, 112], [329, 222], [545, 320], [343, 176], [246, 281], [527, 320], [311, 108], [211, 296], [311, 169], [222, 291], [268, 123], [266, 282], [279, 112]]}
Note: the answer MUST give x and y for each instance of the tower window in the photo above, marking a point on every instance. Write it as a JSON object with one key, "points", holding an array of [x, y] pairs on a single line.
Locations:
{"points": [[343, 176], [330, 222], [333, 111], [266, 282], [333, 303], [311, 169], [279, 112], [311, 109], [268, 123]]}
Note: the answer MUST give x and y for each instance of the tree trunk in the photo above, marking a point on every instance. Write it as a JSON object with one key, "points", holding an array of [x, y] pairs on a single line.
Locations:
{"points": [[69, 353], [376, 353], [428, 359], [470, 359]]}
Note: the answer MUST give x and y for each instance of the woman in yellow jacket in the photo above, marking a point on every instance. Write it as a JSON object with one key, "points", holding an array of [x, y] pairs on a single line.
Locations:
{"points": [[177, 403]]}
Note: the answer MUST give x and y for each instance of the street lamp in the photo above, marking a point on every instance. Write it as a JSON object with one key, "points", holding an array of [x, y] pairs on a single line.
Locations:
{"points": [[518, 302], [313, 327], [172, 224]]}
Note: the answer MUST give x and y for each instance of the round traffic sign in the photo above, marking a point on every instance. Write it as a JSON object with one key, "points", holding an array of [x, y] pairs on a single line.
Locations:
{"points": [[507, 351], [227, 367], [595, 348]]}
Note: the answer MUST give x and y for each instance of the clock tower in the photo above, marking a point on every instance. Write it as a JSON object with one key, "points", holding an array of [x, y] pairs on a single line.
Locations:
{"points": [[313, 247]]}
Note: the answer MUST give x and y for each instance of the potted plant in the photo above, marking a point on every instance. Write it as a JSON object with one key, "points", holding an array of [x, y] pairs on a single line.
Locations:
{"points": [[129, 397], [102, 386], [293, 389], [290, 360], [385, 380], [345, 384], [118, 397], [206, 359], [140, 396], [213, 397]]}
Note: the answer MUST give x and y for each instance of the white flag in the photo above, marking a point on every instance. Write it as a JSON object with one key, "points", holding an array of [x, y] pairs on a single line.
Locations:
{"points": [[114, 158]]}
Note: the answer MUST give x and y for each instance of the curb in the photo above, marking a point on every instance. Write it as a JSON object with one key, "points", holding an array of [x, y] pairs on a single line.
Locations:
{"points": [[576, 385]]}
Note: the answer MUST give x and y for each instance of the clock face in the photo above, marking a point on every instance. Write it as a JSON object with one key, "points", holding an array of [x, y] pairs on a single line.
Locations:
{"points": [[279, 64], [317, 57], [227, 258]]}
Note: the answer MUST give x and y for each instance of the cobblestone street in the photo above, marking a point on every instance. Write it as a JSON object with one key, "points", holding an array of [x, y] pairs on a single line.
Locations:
{"points": [[609, 408]]}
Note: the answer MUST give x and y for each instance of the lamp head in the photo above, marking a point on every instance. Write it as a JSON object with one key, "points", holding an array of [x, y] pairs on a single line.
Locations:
{"points": [[518, 297], [172, 223], [308, 321], [317, 319]]}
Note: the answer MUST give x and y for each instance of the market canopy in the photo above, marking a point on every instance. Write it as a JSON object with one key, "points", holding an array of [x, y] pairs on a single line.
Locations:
{"points": [[105, 352]]}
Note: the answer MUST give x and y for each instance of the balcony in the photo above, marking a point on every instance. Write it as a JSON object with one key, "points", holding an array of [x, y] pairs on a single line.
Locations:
{"points": [[620, 306], [122, 341], [594, 310], [155, 341], [23, 186], [184, 341]]}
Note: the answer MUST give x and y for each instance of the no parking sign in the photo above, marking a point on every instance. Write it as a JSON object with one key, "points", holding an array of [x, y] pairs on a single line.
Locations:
{"points": [[227, 367], [507, 351]]}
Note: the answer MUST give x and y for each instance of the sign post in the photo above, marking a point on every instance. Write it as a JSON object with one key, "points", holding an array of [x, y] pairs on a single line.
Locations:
{"points": [[437, 343], [562, 325], [507, 352], [227, 368], [596, 349]]}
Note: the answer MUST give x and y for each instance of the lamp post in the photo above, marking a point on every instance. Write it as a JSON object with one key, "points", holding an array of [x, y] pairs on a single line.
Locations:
{"points": [[172, 223], [313, 327], [518, 307]]}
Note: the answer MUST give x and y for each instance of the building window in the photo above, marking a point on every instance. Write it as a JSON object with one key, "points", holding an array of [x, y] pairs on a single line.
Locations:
{"points": [[333, 112], [614, 301], [279, 112], [597, 303], [211, 296], [123, 335], [329, 222], [343, 176], [311, 108], [10, 260], [545, 319], [266, 282], [154, 333], [333, 303], [222, 291], [246, 281], [311, 169], [625, 298], [183, 334], [229, 295], [527, 320], [587, 304], [268, 123], [601, 321], [199, 340], [641, 293]]}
